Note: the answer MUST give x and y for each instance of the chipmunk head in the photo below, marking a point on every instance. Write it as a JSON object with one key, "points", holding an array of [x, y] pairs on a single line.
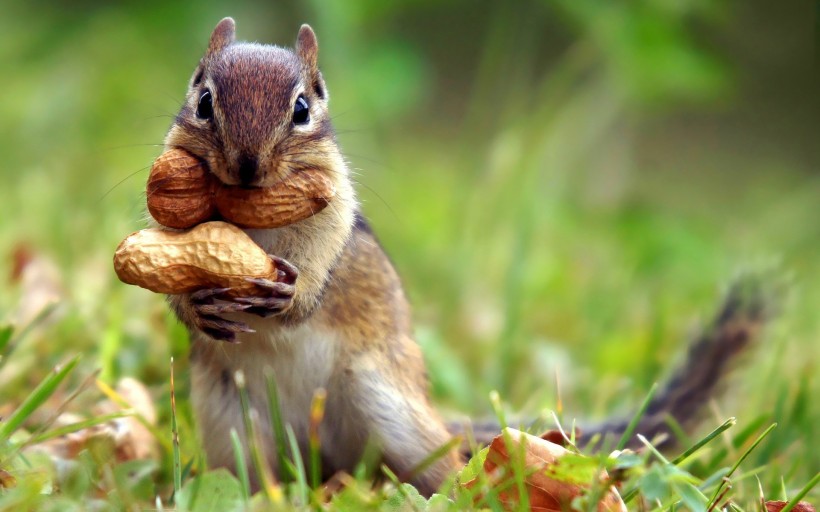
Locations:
{"points": [[257, 113]]}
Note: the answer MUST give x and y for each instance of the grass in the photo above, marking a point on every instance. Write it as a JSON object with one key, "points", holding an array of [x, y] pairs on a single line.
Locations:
{"points": [[534, 236], [726, 464]]}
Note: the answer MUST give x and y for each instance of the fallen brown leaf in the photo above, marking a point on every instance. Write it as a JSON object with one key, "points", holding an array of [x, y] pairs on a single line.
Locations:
{"points": [[777, 506], [558, 437], [134, 440], [127, 436], [40, 282], [545, 493], [7, 480]]}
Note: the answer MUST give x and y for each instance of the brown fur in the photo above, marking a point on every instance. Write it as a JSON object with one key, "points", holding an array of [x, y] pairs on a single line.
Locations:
{"points": [[348, 329], [346, 326]]}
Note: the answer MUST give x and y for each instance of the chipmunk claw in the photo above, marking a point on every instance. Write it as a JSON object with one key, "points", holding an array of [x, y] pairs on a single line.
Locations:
{"points": [[287, 272], [207, 311], [278, 297], [221, 329], [208, 294]]}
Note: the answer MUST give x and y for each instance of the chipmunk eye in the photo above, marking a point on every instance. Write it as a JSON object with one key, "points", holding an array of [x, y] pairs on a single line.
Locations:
{"points": [[205, 107], [301, 111]]}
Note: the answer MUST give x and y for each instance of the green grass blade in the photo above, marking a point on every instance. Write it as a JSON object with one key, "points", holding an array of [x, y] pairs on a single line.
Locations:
{"points": [[74, 427], [275, 411], [5, 337], [196, 488], [111, 341], [36, 398], [570, 440], [745, 454], [53, 415], [301, 478], [187, 468], [751, 448], [633, 423], [259, 463], [408, 499], [630, 494], [516, 455], [435, 455], [495, 401], [731, 422], [241, 465], [165, 443], [689, 494], [652, 449], [742, 436], [177, 470], [714, 478], [804, 491], [13, 339], [677, 430]]}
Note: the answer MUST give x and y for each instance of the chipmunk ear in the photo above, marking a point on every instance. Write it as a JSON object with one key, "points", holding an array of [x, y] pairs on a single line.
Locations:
{"points": [[307, 48], [223, 35]]}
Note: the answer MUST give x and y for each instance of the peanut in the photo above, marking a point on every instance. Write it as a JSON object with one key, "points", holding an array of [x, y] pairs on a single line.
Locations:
{"points": [[211, 255], [182, 193], [180, 190], [296, 198]]}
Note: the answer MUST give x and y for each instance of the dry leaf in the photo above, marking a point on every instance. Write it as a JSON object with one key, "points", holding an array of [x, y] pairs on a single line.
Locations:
{"points": [[777, 506], [40, 282], [128, 437], [69, 446], [133, 440], [558, 437], [7, 480], [545, 493]]}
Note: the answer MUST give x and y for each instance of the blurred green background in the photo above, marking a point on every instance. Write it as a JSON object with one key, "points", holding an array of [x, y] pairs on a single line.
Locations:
{"points": [[565, 185]]}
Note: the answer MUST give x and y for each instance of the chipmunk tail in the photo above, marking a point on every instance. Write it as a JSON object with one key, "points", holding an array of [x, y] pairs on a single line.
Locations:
{"points": [[750, 303]]}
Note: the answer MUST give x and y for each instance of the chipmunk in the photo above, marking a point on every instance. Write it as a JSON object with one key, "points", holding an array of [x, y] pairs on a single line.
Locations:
{"points": [[338, 319]]}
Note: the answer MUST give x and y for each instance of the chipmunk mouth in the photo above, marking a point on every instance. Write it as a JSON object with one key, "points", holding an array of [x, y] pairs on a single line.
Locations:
{"points": [[252, 172], [248, 170], [273, 180]]}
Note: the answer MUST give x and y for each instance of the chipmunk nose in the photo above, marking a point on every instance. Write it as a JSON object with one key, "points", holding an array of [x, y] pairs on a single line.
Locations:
{"points": [[247, 169]]}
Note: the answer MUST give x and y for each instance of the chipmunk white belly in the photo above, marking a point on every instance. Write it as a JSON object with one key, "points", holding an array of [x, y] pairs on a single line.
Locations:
{"points": [[302, 360]]}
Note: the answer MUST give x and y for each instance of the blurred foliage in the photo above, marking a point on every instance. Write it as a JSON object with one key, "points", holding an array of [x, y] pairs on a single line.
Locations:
{"points": [[563, 184]]}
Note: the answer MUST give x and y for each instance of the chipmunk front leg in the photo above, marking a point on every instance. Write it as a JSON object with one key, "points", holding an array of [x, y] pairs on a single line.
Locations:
{"points": [[204, 310]]}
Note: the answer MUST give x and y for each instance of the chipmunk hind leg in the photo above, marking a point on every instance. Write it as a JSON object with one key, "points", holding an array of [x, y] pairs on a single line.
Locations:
{"points": [[408, 430]]}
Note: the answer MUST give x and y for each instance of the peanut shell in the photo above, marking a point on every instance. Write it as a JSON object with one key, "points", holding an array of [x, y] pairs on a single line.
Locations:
{"points": [[211, 255], [180, 190], [295, 198], [181, 193]]}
